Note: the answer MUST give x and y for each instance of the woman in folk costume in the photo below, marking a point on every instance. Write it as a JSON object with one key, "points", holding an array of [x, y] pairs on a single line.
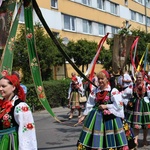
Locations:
{"points": [[75, 90], [17, 129], [138, 107], [103, 128]]}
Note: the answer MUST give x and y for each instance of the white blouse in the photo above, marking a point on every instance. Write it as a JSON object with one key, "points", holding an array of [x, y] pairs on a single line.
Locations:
{"points": [[115, 108], [26, 131]]}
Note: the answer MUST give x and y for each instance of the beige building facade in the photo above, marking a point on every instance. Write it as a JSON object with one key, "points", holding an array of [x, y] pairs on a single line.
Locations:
{"points": [[92, 19]]}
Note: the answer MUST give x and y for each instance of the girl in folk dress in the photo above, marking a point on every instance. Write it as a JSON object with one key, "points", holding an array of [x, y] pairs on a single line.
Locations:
{"points": [[17, 129], [75, 91], [103, 128], [138, 107]]}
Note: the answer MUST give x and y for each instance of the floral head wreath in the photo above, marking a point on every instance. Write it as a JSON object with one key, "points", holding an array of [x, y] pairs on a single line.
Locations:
{"points": [[16, 83], [106, 74]]}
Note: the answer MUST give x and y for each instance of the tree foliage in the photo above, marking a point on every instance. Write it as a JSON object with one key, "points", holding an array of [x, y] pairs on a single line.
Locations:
{"points": [[82, 52], [47, 52]]}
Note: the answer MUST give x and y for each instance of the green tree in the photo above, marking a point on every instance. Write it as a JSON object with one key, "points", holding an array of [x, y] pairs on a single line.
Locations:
{"points": [[47, 52], [82, 52]]}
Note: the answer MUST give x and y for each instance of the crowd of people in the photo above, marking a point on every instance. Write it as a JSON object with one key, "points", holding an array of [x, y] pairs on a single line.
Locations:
{"points": [[117, 108]]}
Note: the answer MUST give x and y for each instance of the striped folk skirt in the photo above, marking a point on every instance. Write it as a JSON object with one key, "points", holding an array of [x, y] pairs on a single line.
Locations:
{"points": [[74, 99], [9, 139], [137, 113], [99, 132]]}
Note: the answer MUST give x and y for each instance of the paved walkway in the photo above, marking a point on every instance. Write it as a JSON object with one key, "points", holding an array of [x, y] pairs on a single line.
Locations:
{"points": [[52, 135]]}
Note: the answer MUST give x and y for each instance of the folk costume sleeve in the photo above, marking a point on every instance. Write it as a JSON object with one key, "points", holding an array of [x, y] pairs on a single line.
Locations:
{"points": [[117, 107], [89, 104], [69, 91], [26, 131], [148, 90], [126, 94]]}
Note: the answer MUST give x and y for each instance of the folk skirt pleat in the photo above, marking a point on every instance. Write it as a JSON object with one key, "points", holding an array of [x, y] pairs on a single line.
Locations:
{"points": [[100, 133], [138, 113]]}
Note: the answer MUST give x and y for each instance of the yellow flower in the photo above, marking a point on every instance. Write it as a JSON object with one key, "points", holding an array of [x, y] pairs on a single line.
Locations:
{"points": [[126, 126]]}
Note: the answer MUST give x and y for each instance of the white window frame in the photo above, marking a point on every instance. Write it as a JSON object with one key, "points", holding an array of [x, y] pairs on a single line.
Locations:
{"points": [[54, 3], [87, 26], [101, 4], [113, 8], [69, 23]]}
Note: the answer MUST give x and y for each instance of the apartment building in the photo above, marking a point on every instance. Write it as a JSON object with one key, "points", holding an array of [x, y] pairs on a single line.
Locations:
{"points": [[92, 19]]}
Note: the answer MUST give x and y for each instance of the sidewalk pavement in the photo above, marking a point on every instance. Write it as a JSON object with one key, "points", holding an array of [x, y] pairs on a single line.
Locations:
{"points": [[52, 135]]}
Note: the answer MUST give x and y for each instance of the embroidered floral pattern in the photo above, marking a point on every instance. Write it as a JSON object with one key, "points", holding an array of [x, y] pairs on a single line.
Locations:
{"points": [[22, 109], [7, 121], [34, 63], [41, 93], [11, 44], [29, 36], [4, 72], [25, 108], [29, 126]]}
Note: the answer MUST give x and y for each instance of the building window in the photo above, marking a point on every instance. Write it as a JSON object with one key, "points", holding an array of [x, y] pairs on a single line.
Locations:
{"points": [[87, 26], [86, 2], [54, 3], [133, 15], [114, 8], [147, 3], [69, 23], [100, 4], [140, 18], [140, 1], [114, 30], [126, 2], [148, 21], [101, 29]]}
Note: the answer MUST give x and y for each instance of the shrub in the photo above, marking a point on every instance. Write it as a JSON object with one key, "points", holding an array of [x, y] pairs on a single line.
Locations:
{"points": [[56, 92]]}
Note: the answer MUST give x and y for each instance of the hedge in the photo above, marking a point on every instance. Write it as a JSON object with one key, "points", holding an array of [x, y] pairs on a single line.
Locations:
{"points": [[56, 92]]}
